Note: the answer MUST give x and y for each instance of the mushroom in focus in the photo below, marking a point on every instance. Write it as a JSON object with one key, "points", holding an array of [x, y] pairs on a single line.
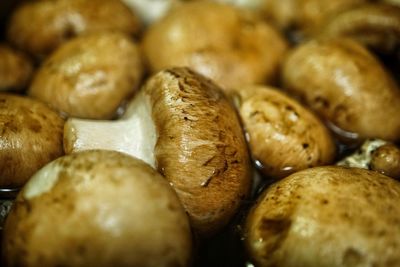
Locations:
{"points": [[326, 216], [183, 125]]}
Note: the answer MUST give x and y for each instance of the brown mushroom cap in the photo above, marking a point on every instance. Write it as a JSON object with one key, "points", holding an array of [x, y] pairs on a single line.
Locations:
{"points": [[346, 85], [39, 27], [230, 46], [386, 160], [375, 25], [30, 137], [284, 136], [183, 124], [15, 69], [327, 216], [97, 208], [90, 76]]}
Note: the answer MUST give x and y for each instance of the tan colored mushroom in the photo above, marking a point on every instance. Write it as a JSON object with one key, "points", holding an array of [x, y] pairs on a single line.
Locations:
{"points": [[347, 86], [15, 69], [39, 27], [226, 44], [30, 137], [97, 208], [90, 76], [374, 25], [324, 217], [284, 136], [182, 124]]}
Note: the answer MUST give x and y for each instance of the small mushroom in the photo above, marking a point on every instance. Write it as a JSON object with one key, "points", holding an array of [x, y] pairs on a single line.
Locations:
{"points": [[90, 76], [377, 155], [151, 11], [39, 27], [284, 136], [183, 125], [97, 208], [30, 137], [374, 25], [347, 86], [327, 216], [15, 69], [226, 44]]}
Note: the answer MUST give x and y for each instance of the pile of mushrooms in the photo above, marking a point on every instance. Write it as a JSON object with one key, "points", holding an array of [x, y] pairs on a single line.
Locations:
{"points": [[200, 133]]}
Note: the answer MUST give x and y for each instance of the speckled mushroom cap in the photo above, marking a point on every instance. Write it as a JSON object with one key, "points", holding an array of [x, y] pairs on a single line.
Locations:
{"points": [[182, 124], [39, 27], [90, 76], [97, 208], [229, 45], [283, 135], [327, 216], [30, 137], [15, 69]]}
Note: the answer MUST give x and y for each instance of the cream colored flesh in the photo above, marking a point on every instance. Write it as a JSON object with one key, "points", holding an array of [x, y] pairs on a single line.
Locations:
{"points": [[135, 134], [149, 11]]}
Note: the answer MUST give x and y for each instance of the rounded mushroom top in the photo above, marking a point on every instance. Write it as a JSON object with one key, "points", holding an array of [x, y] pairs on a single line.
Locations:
{"points": [[200, 147], [284, 136], [38, 27], [30, 137], [347, 86], [89, 76], [226, 44], [97, 208], [15, 69], [327, 216]]}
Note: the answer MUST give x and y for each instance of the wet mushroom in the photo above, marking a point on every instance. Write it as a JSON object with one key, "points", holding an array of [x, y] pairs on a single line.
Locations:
{"points": [[182, 124], [284, 136], [30, 137], [326, 216], [97, 208]]}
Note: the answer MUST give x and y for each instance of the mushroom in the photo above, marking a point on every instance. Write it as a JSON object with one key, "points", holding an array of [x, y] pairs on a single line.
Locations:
{"points": [[228, 45], [30, 137], [347, 86], [151, 11], [284, 136], [377, 155], [326, 216], [183, 125], [97, 208], [375, 25], [90, 76], [15, 69], [39, 27]]}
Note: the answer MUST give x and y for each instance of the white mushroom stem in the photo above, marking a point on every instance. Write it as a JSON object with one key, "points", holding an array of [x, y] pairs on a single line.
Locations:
{"points": [[363, 156], [150, 11], [133, 134]]}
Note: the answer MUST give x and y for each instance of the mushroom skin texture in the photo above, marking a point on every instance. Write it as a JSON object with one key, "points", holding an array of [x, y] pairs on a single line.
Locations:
{"points": [[284, 137], [182, 124], [374, 25], [386, 160], [39, 27], [228, 45], [97, 208], [345, 85], [89, 76], [15, 69], [325, 217], [30, 137]]}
